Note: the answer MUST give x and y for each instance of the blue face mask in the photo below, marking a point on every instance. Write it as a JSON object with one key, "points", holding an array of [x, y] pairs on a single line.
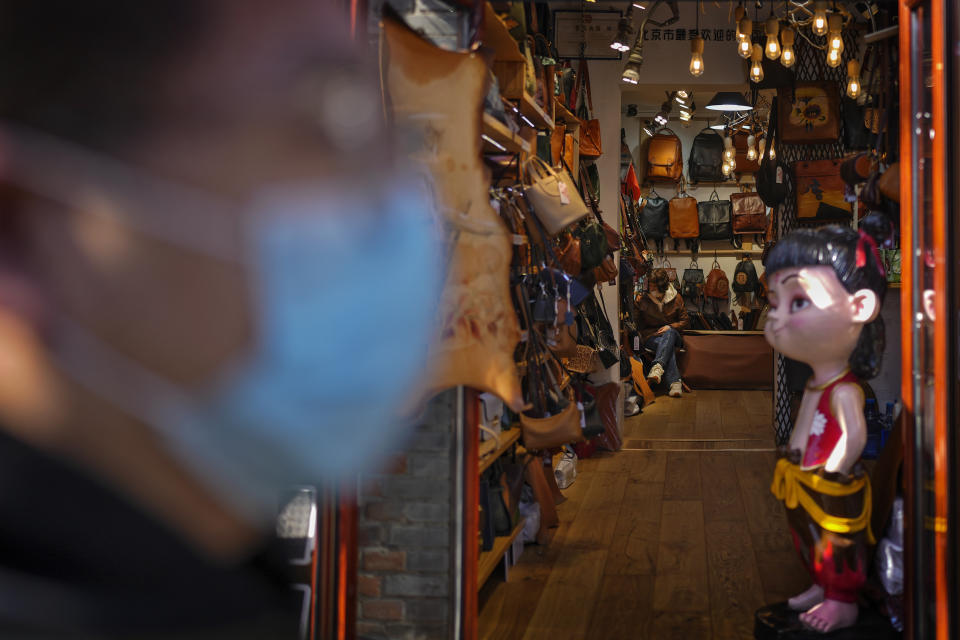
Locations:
{"points": [[345, 287]]}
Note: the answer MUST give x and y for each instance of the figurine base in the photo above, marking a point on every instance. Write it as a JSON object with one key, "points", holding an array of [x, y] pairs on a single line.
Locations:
{"points": [[780, 622]]}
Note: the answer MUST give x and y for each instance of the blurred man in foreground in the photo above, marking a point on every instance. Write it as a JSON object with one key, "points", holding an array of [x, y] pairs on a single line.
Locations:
{"points": [[196, 213]]}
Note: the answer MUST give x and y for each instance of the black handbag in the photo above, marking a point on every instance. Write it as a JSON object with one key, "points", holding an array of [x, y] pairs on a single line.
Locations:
{"points": [[856, 135], [692, 282], [771, 179], [706, 157], [715, 218], [655, 218], [745, 277], [593, 245]]}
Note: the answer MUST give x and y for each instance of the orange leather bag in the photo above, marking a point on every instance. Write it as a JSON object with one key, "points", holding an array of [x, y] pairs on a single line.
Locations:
{"points": [[665, 157], [590, 144], [684, 221], [717, 286]]}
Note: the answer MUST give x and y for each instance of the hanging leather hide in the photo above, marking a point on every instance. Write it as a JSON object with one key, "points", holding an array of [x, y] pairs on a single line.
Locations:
{"points": [[439, 95]]}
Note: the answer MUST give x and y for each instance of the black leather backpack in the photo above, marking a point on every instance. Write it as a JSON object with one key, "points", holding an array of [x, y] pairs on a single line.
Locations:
{"points": [[715, 218], [745, 277], [706, 157], [692, 290], [655, 219]]}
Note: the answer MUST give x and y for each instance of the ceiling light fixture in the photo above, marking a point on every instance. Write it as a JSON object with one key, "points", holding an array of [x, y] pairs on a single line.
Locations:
{"points": [[787, 57], [729, 101], [621, 42], [772, 48], [696, 50], [756, 70]]}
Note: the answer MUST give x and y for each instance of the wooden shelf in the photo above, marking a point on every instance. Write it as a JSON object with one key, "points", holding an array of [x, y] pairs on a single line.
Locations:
{"points": [[535, 113], [487, 561], [499, 134], [708, 253], [704, 332], [507, 439], [497, 37]]}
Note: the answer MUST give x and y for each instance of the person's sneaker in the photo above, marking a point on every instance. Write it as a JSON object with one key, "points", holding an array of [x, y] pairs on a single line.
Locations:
{"points": [[631, 407], [656, 372], [676, 390]]}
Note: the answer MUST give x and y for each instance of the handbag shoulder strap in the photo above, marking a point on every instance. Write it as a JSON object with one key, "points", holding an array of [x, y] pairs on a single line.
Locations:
{"points": [[583, 77]]}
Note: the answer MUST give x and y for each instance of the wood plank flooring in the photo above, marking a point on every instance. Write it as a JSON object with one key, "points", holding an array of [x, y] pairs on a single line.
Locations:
{"points": [[675, 536]]}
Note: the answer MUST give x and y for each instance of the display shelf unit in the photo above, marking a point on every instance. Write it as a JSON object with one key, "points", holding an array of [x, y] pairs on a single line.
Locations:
{"points": [[507, 439], [720, 253], [535, 113], [487, 561], [496, 133]]}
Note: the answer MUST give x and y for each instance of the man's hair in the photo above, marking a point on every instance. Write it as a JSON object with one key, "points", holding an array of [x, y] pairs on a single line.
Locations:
{"points": [[83, 69], [659, 279]]}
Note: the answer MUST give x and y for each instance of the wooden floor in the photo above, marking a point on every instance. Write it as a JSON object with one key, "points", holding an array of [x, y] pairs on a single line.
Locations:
{"points": [[675, 536]]}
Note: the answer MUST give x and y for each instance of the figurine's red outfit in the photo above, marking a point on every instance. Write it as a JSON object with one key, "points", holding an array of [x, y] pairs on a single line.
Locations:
{"points": [[829, 515]]}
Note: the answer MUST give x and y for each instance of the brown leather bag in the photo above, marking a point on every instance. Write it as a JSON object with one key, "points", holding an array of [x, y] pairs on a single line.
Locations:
{"points": [[607, 271], [819, 188], [590, 144], [809, 113], [568, 256], [744, 164], [717, 286], [749, 213], [684, 220], [553, 431], [606, 396], [665, 157]]}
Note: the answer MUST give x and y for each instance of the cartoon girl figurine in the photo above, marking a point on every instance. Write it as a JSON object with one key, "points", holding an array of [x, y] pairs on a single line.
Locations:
{"points": [[825, 290]]}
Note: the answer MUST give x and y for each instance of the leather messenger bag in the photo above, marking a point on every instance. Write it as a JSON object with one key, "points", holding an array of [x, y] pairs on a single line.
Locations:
{"points": [[665, 157]]}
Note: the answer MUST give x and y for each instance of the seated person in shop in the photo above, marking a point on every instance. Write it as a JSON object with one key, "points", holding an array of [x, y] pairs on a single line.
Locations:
{"points": [[178, 342], [661, 317]]}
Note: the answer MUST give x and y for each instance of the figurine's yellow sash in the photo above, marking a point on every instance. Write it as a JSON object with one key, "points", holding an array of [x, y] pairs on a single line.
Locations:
{"points": [[787, 481]]}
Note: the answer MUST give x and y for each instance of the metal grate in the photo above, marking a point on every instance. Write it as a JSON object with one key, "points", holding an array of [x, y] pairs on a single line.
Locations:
{"points": [[810, 66]]}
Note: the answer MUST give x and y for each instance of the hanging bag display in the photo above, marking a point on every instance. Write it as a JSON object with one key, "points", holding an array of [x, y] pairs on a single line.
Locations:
{"points": [[771, 178], [820, 192], [717, 286], [553, 195], [684, 222], [590, 145], [745, 277], [664, 157], [692, 283], [672, 277], [715, 218], [749, 213], [809, 113], [706, 157], [655, 219]]}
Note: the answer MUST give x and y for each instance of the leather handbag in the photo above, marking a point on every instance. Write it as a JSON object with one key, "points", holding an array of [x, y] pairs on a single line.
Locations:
{"points": [[717, 286], [593, 245], [605, 400], [740, 145], [607, 270], [684, 221], [671, 274], [809, 113], [561, 146], [771, 177], [553, 196], [715, 218], [655, 218], [693, 281], [745, 277], [820, 191], [706, 157], [568, 256], [553, 431], [749, 213], [664, 157], [590, 144]]}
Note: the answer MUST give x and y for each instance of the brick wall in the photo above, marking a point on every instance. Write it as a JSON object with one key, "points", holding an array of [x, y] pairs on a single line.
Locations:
{"points": [[405, 534]]}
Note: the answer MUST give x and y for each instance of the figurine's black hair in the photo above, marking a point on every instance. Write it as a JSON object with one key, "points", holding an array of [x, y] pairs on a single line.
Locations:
{"points": [[835, 246]]}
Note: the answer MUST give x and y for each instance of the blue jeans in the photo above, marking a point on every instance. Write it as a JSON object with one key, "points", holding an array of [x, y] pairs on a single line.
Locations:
{"points": [[665, 346]]}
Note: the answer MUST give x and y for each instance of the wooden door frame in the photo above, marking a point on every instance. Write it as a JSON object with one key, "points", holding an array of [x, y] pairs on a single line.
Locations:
{"points": [[910, 297]]}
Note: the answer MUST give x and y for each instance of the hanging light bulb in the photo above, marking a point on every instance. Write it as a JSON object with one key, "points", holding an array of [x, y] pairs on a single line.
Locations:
{"points": [[834, 58], [772, 49], [726, 169], [744, 46], [696, 56], [835, 35], [738, 15], [761, 146], [733, 165], [787, 56], [751, 148], [819, 25], [756, 71], [853, 79], [729, 153], [773, 153]]}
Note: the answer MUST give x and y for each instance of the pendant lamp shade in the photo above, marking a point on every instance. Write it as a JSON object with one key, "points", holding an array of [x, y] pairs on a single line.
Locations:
{"points": [[729, 101]]}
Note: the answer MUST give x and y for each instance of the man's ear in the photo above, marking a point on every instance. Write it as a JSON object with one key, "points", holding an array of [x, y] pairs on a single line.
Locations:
{"points": [[866, 306]]}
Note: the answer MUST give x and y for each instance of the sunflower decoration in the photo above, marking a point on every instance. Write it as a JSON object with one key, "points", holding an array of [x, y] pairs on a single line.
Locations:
{"points": [[811, 108]]}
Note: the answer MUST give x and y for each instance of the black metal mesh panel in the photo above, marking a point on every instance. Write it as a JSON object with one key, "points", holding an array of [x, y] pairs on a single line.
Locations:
{"points": [[811, 65]]}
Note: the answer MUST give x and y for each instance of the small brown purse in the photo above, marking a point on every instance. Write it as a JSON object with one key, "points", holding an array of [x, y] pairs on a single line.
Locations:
{"points": [[568, 256], [749, 213]]}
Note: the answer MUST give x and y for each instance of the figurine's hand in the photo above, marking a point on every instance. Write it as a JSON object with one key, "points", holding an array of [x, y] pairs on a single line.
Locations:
{"points": [[663, 329]]}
